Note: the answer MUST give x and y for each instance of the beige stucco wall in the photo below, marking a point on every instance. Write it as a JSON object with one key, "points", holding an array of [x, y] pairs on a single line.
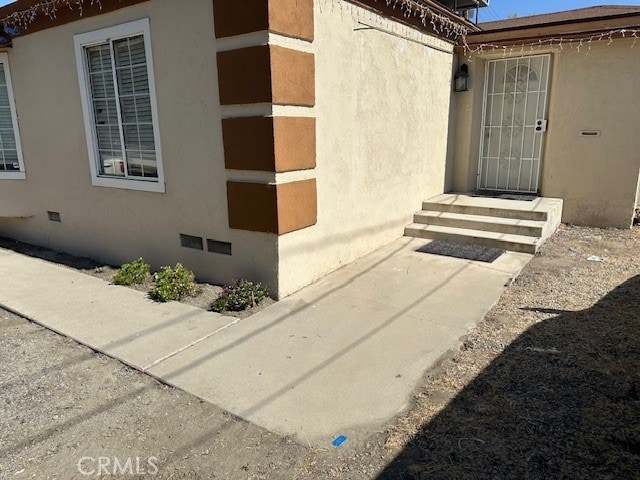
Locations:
{"points": [[638, 193], [119, 225], [382, 109], [593, 89]]}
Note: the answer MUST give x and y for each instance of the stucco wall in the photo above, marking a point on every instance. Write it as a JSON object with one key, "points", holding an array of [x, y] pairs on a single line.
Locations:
{"points": [[638, 193], [119, 225], [594, 89], [382, 112]]}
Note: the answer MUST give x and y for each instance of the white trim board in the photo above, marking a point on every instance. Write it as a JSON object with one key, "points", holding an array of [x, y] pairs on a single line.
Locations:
{"points": [[138, 27]]}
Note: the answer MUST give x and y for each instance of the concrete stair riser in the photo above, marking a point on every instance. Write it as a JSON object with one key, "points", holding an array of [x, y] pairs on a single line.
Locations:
{"points": [[515, 225], [486, 211], [512, 226], [513, 243]]}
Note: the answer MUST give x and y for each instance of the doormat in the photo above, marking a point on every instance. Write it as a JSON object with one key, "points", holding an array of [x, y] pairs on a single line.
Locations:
{"points": [[507, 196], [467, 252]]}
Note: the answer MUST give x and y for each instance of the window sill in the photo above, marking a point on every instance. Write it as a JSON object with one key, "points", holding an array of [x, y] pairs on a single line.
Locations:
{"points": [[128, 184], [13, 176]]}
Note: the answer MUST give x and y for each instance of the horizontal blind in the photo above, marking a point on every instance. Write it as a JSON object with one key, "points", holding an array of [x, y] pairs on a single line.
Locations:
{"points": [[8, 149], [122, 111], [135, 106], [105, 110]]}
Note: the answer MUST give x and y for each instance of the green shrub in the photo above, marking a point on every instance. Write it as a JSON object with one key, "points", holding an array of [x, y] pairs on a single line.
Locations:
{"points": [[239, 296], [132, 273], [172, 284]]}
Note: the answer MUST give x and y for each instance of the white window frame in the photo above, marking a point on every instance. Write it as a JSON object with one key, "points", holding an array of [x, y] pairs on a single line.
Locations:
{"points": [[139, 27], [21, 174]]}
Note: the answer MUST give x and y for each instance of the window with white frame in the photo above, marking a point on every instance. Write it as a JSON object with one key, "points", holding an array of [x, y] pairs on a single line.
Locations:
{"points": [[11, 163], [115, 69]]}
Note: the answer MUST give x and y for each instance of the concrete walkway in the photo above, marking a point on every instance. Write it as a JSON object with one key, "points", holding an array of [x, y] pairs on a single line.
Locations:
{"points": [[339, 357]]}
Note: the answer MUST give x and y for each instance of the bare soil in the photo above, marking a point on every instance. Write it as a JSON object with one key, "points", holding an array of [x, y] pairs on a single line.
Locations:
{"points": [[547, 386], [205, 293], [60, 402]]}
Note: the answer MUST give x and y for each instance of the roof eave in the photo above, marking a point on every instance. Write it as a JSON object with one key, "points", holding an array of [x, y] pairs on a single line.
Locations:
{"points": [[567, 28], [380, 7], [44, 18]]}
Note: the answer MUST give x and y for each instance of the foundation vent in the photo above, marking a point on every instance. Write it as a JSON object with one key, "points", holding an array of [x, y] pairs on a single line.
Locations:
{"points": [[54, 216], [189, 241], [214, 246]]}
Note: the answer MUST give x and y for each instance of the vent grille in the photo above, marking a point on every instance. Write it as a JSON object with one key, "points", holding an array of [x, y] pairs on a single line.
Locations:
{"points": [[215, 246], [189, 241]]}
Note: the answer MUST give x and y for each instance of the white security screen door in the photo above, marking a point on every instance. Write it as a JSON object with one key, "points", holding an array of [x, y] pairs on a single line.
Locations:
{"points": [[514, 122]]}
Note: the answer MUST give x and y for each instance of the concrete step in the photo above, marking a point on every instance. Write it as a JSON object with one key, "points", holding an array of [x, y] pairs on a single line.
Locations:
{"points": [[515, 226], [516, 243], [540, 209]]}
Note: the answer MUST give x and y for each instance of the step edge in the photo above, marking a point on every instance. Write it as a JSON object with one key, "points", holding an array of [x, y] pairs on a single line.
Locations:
{"points": [[464, 232], [482, 218], [536, 215]]}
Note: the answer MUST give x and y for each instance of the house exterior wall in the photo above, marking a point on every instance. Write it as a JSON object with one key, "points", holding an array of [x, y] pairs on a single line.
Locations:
{"points": [[593, 89], [382, 113], [286, 130], [117, 225]]}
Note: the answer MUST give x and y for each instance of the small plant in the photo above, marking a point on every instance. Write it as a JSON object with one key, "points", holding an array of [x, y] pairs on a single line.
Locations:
{"points": [[239, 296], [172, 283], [132, 273]]}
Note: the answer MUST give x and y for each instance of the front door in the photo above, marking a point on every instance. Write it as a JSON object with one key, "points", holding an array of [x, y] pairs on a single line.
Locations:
{"points": [[514, 123]]}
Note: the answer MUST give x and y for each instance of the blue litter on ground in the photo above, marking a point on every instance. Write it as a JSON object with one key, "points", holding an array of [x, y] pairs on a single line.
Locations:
{"points": [[339, 441]]}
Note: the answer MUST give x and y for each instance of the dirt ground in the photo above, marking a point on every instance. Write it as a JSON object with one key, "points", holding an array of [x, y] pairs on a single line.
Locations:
{"points": [[546, 386], [205, 293]]}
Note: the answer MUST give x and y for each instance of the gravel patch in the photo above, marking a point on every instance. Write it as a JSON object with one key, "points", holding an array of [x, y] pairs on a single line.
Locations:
{"points": [[60, 402]]}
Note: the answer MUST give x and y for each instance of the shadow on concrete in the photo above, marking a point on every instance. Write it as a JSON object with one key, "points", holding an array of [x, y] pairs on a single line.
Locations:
{"points": [[562, 401], [80, 263]]}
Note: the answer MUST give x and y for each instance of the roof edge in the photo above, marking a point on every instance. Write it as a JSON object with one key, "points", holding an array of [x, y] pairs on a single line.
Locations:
{"points": [[565, 28], [433, 9], [31, 16], [577, 14]]}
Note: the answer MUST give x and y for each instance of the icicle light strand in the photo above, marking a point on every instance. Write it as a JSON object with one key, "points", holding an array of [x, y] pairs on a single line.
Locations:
{"points": [[441, 24], [46, 8], [578, 43]]}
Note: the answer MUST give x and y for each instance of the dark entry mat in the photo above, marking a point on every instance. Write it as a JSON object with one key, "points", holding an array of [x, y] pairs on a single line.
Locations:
{"points": [[467, 252], [506, 196]]}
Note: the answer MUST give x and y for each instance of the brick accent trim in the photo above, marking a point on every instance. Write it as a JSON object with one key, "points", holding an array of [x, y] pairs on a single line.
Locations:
{"points": [[270, 208], [293, 18], [269, 144], [266, 74]]}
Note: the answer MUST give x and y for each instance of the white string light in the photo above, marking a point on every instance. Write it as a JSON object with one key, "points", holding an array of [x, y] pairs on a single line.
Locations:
{"points": [[47, 8], [441, 24], [561, 42], [373, 19], [428, 17]]}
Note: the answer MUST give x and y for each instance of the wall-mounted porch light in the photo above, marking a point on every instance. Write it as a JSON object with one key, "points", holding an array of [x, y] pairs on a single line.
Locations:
{"points": [[461, 79]]}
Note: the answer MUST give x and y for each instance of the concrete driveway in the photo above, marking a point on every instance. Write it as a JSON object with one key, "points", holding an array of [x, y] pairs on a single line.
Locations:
{"points": [[341, 357]]}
